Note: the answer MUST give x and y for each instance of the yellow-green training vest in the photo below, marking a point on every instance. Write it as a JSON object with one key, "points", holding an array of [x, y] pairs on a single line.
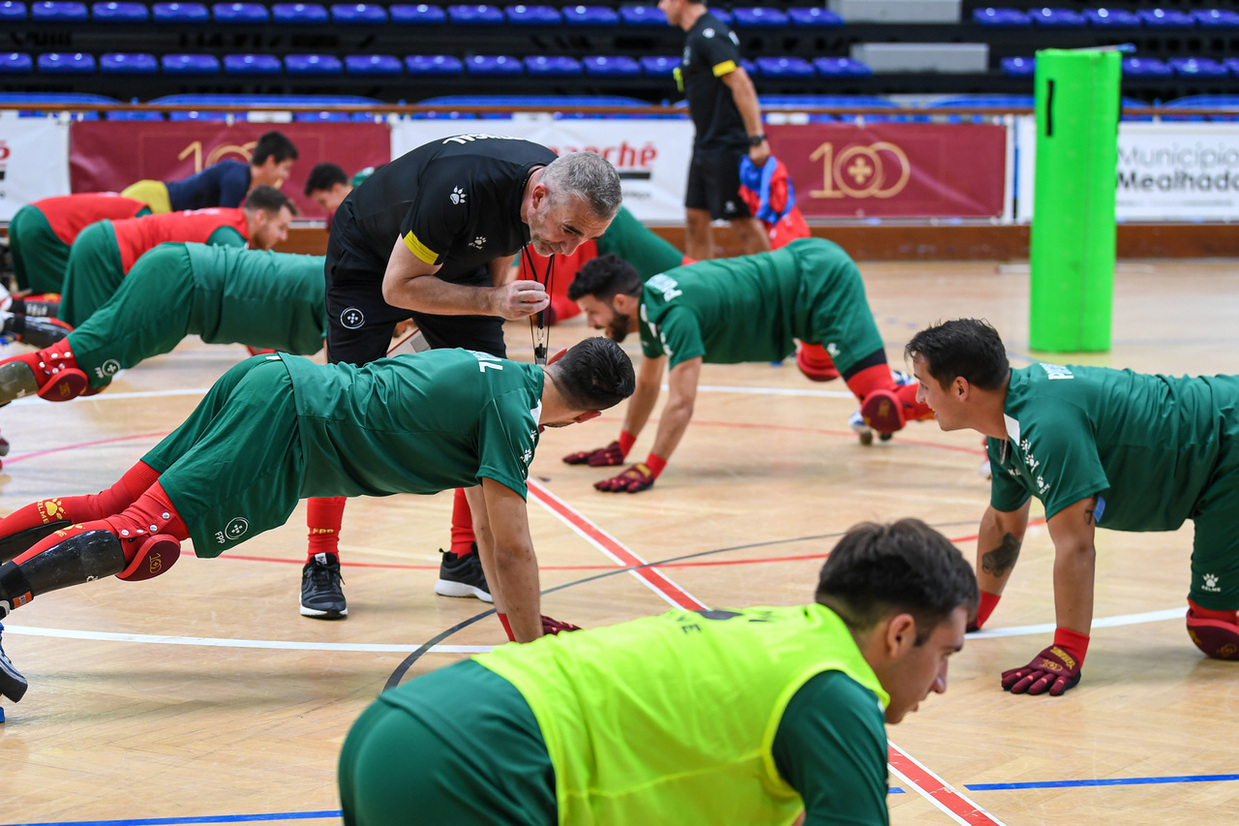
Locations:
{"points": [[671, 719]]}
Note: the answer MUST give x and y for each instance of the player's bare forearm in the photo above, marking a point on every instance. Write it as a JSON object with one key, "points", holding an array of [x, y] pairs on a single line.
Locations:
{"points": [[744, 93], [678, 412], [515, 565], [645, 396], [999, 539], [1073, 531]]}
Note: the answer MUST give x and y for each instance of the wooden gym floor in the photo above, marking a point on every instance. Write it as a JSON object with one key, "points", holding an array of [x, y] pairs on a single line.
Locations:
{"points": [[203, 696]]}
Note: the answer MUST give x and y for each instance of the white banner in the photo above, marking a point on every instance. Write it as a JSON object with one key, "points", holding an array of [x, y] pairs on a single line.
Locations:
{"points": [[651, 155], [1166, 171], [34, 160]]}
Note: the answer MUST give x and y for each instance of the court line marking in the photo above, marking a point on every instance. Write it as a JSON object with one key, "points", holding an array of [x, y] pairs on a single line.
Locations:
{"points": [[167, 821]]}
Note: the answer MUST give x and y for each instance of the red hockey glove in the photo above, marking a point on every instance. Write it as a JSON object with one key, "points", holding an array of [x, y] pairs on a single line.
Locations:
{"points": [[637, 478], [602, 457], [554, 626], [1056, 669]]}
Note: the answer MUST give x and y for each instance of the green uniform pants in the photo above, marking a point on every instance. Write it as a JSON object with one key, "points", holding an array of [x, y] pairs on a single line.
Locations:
{"points": [[93, 274], [834, 293], [39, 256]]}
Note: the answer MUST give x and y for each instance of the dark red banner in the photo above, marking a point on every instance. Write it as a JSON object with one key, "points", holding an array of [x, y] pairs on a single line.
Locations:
{"points": [[889, 170], [111, 155]]}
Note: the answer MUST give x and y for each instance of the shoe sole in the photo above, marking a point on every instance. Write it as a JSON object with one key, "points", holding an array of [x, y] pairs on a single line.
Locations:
{"points": [[882, 412], [319, 613], [447, 588], [12, 684]]}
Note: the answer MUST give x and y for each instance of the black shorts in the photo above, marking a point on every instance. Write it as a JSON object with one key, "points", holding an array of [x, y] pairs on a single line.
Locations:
{"points": [[360, 323], [714, 184]]}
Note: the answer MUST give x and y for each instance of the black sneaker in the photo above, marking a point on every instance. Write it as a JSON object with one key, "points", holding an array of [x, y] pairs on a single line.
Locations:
{"points": [[321, 596], [462, 576], [12, 684]]}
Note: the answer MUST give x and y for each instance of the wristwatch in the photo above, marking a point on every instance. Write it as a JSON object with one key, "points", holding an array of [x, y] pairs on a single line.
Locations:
{"points": [[756, 140]]}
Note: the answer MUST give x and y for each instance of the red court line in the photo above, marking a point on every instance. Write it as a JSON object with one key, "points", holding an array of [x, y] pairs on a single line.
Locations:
{"points": [[10, 460], [939, 792]]}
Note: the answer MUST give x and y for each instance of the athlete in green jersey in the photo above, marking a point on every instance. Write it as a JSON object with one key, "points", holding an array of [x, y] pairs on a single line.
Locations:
{"points": [[1100, 448], [693, 717], [265, 300], [279, 428], [752, 308]]}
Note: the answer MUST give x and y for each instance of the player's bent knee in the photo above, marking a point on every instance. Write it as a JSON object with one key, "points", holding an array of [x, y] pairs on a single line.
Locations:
{"points": [[155, 555], [1218, 639]]}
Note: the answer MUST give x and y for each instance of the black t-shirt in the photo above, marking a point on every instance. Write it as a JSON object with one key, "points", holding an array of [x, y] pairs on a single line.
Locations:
{"points": [[711, 51], [454, 201]]}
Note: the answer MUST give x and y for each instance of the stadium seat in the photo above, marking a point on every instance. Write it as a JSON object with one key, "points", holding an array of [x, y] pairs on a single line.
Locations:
{"points": [[814, 17], [1145, 67], [1197, 67], [1018, 66], [180, 13], [239, 13], [590, 16], [148, 116], [252, 64], [757, 17], [15, 63], [50, 11], [634, 15], [113, 12], [422, 14], [299, 14], [190, 64], [312, 64], [552, 66], [479, 15], [322, 117], [723, 15], [492, 65], [1111, 18], [353, 14], [611, 66], [1166, 19], [1216, 18], [373, 64], [1001, 18], [983, 102], [196, 115], [12, 12], [66, 63], [119, 63], [659, 66], [1057, 18], [532, 16], [784, 67], [436, 64], [1232, 65], [840, 67]]}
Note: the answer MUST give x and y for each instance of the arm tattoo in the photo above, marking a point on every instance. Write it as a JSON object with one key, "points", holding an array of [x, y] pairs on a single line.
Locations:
{"points": [[1002, 559]]}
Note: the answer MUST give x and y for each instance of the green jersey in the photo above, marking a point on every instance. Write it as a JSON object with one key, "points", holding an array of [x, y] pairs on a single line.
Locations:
{"points": [[1146, 444], [638, 245]]}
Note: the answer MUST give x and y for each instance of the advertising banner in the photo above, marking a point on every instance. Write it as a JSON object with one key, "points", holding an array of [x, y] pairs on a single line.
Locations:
{"points": [[111, 155], [34, 160]]}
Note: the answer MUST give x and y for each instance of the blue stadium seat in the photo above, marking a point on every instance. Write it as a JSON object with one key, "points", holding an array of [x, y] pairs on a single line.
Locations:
{"points": [[198, 115], [814, 17], [659, 66], [1197, 67], [590, 16], [145, 116], [1216, 18], [1111, 18], [66, 63], [634, 15], [757, 17], [423, 14], [479, 15], [433, 64], [252, 64], [180, 13], [1145, 67], [312, 64], [113, 12], [1018, 66], [52, 11], [1057, 18], [190, 64], [784, 67], [240, 13], [364, 14], [1001, 18], [373, 64], [801, 101], [497, 65], [12, 11], [723, 15], [119, 63], [611, 66], [1166, 19], [983, 102], [532, 16], [299, 14], [1232, 64], [841, 67], [552, 66], [322, 117], [15, 63]]}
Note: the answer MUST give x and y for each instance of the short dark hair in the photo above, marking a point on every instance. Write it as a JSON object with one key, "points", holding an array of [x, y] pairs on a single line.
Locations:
{"points": [[324, 176], [877, 570], [967, 347], [268, 199], [273, 144], [604, 278], [595, 374]]}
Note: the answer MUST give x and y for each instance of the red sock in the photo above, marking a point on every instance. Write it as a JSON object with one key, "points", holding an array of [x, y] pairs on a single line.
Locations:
{"points": [[507, 627], [324, 514], [988, 603], [1073, 642], [816, 355], [83, 508], [1208, 613], [877, 377], [462, 525]]}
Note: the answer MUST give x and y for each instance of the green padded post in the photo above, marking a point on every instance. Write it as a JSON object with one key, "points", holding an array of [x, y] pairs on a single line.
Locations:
{"points": [[1073, 232]]}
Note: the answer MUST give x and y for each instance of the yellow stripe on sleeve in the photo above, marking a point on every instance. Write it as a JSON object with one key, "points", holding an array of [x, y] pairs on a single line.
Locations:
{"points": [[725, 68], [419, 249]]}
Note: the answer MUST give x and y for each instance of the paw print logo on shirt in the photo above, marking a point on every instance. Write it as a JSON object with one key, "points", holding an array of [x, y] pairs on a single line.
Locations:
{"points": [[478, 243], [458, 195]]}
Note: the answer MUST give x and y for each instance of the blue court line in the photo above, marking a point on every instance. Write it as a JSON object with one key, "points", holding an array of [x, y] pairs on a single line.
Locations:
{"points": [[1117, 781], [173, 821]]}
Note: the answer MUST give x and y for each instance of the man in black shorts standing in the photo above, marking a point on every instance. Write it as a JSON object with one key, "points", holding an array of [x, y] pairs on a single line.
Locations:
{"points": [[431, 236], [727, 118]]}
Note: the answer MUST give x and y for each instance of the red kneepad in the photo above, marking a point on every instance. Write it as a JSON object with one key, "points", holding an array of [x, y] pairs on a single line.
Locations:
{"points": [[1218, 639]]}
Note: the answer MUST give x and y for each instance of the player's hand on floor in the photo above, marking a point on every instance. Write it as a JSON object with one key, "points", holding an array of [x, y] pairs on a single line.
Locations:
{"points": [[637, 478], [602, 457], [554, 626], [1053, 670]]}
